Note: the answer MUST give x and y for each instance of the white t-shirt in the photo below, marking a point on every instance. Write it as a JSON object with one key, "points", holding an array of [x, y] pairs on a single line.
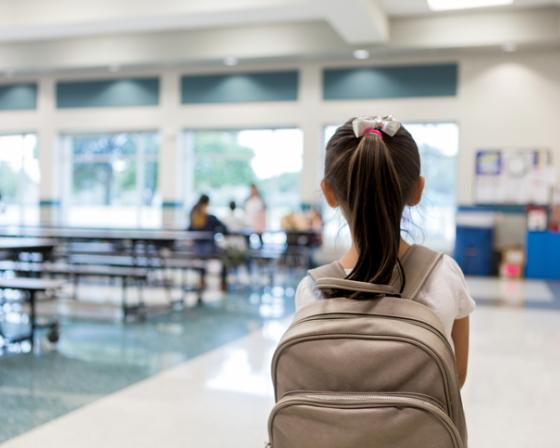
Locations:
{"points": [[255, 213], [445, 293], [235, 222]]}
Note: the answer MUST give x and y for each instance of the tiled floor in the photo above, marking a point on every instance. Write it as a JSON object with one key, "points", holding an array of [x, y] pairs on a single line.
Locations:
{"points": [[95, 358], [222, 397]]}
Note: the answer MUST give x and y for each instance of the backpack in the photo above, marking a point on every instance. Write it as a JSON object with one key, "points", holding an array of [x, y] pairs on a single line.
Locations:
{"points": [[372, 372]]}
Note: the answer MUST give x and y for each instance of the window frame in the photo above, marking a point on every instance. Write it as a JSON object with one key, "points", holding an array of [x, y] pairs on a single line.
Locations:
{"points": [[187, 156], [139, 158]]}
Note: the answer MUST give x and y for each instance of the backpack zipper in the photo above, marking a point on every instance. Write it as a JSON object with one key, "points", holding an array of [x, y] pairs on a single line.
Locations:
{"points": [[350, 395], [368, 400]]}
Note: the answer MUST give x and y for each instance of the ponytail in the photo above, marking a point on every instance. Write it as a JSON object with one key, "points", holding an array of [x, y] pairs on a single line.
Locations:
{"points": [[375, 219]]}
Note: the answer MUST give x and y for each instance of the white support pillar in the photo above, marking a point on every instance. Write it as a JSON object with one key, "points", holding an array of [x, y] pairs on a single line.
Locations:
{"points": [[49, 158], [310, 99], [170, 160]]}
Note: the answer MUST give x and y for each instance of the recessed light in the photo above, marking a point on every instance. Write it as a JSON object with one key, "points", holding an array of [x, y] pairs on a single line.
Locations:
{"points": [[447, 5], [361, 54], [510, 47], [230, 61]]}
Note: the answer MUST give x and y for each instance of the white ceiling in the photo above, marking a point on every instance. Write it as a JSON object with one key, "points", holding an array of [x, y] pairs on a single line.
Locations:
{"points": [[40, 35]]}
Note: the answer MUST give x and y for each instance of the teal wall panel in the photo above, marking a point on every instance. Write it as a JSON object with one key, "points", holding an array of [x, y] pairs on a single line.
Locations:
{"points": [[18, 96], [108, 93], [49, 203], [390, 82], [172, 204], [497, 208], [240, 87]]}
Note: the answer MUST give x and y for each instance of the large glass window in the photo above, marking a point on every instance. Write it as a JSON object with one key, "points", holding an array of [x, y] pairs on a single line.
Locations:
{"points": [[112, 180], [223, 164], [433, 222], [19, 179]]}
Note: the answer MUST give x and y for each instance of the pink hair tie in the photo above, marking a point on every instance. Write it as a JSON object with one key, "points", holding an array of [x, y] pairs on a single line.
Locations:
{"points": [[374, 131]]}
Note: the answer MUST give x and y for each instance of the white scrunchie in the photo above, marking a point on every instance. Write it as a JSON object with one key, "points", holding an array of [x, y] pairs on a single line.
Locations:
{"points": [[387, 124]]}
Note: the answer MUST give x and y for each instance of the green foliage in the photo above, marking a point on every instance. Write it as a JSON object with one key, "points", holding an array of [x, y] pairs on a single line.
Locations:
{"points": [[283, 188], [9, 182], [220, 161], [126, 180], [95, 173]]}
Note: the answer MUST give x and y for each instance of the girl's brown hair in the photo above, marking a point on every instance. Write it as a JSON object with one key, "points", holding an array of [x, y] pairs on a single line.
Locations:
{"points": [[373, 179]]}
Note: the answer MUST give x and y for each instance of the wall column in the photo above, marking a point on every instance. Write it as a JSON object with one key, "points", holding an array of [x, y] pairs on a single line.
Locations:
{"points": [[310, 100], [49, 158], [170, 160]]}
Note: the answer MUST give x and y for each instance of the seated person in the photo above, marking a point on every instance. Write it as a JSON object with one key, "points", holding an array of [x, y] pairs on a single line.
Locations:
{"points": [[235, 220], [202, 221]]}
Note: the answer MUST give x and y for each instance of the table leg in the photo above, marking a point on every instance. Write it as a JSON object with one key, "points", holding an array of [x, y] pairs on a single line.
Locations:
{"points": [[32, 317]]}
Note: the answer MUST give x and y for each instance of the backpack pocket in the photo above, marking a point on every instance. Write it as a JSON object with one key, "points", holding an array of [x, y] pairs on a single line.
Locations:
{"points": [[333, 420]]}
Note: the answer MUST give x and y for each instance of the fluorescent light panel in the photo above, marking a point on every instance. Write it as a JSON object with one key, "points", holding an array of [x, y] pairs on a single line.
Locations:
{"points": [[447, 5], [361, 54], [230, 61]]}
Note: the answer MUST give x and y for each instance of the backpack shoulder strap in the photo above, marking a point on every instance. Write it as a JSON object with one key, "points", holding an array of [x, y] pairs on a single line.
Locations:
{"points": [[418, 263], [333, 276], [331, 270]]}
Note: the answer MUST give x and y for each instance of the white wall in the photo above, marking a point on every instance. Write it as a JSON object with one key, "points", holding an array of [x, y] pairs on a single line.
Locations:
{"points": [[504, 100]]}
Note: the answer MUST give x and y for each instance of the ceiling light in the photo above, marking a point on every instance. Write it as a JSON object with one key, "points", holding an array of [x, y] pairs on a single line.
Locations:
{"points": [[361, 54], [446, 5], [509, 47], [114, 68], [230, 61]]}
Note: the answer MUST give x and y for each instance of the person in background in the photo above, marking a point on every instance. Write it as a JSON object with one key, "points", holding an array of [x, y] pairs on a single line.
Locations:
{"points": [[235, 220], [255, 211], [201, 220], [235, 245]]}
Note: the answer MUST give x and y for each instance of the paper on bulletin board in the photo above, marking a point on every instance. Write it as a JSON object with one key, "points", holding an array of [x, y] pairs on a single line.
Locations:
{"points": [[514, 176]]}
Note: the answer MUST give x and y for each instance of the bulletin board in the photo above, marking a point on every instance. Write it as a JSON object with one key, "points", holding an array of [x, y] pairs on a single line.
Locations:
{"points": [[514, 176]]}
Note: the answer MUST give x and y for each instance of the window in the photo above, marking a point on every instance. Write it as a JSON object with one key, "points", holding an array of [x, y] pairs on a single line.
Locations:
{"points": [[433, 222], [112, 180], [223, 164], [19, 179]]}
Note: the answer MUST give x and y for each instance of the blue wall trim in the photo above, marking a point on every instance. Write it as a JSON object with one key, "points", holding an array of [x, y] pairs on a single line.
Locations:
{"points": [[49, 203], [172, 204], [18, 96], [240, 87], [499, 208], [108, 93], [408, 81]]}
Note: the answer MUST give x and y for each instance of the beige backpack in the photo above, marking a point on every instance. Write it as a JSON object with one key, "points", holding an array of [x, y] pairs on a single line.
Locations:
{"points": [[375, 372]]}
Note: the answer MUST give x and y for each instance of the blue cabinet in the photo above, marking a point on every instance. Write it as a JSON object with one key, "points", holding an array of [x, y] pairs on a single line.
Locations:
{"points": [[474, 250], [543, 255]]}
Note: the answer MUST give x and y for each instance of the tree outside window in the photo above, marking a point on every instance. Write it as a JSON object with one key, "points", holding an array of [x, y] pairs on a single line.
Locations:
{"points": [[116, 173]]}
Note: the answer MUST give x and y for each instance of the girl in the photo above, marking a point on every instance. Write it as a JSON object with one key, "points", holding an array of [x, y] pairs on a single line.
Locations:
{"points": [[372, 172]]}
